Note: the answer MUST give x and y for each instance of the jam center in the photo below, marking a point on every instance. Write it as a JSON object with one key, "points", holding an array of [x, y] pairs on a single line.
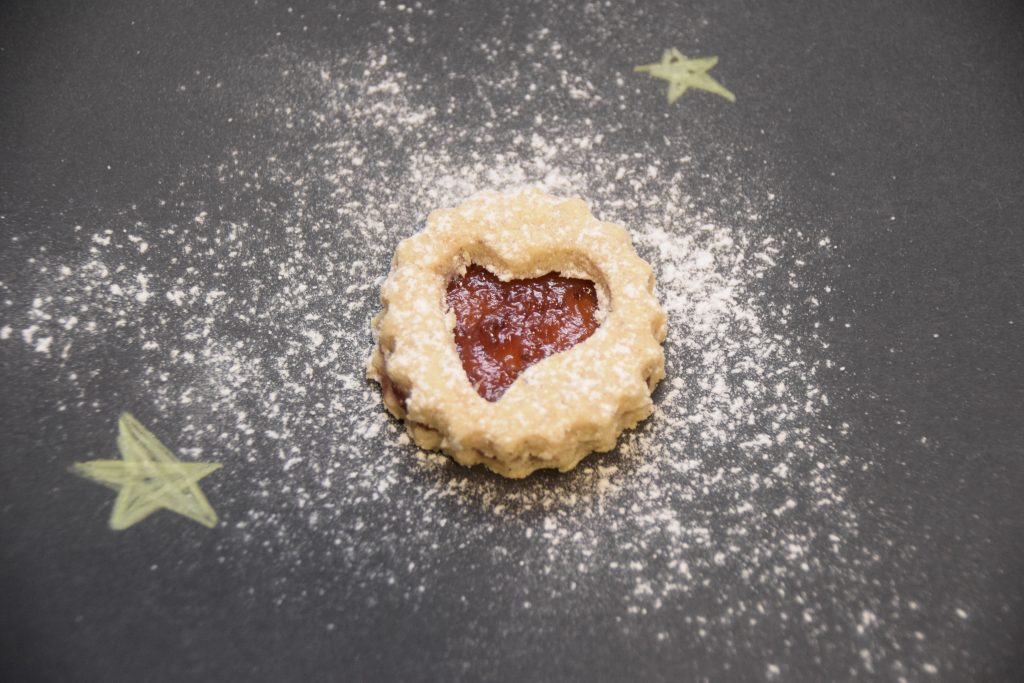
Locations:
{"points": [[502, 328]]}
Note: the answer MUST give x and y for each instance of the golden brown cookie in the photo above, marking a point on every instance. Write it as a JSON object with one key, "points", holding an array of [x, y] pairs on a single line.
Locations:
{"points": [[559, 408]]}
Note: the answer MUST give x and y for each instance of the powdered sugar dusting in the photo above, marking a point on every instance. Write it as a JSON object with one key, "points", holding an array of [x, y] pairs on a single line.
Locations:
{"points": [[249, 317]]}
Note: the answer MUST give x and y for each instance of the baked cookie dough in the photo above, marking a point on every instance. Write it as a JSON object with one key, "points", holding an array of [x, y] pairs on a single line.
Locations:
{"points": [[561, 407]]}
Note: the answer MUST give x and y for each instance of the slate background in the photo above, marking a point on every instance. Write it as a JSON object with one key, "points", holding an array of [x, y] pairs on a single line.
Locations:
{"points": [[875, 109]]}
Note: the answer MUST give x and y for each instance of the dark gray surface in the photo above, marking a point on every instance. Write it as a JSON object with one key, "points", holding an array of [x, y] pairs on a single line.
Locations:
{"points": [[899, 128]]}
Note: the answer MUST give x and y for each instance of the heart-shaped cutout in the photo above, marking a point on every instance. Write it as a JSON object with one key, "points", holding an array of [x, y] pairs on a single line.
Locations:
{"points": [[502, 328]]}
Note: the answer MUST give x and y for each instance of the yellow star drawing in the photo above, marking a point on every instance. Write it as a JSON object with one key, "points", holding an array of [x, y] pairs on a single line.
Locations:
{"points": [[682, 73], [149, 478]]}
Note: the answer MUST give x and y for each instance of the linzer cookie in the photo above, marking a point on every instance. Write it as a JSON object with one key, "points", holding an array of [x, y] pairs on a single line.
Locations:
{"points": [[518, 332]]}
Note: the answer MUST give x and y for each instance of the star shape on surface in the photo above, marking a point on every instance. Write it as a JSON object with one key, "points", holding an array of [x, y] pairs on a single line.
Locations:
{"points": [[148, 478], [683, 73]]}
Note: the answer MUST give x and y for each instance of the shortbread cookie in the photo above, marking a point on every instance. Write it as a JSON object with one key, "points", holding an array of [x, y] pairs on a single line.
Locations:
{"points": [[550, 312]]}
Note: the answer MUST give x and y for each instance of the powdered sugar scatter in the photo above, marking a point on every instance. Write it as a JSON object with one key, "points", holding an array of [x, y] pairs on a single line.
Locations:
{"points": [[248, 316]]}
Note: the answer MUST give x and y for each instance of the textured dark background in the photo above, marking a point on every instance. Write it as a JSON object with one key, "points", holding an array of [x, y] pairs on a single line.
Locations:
{"points": [[902, 125]]}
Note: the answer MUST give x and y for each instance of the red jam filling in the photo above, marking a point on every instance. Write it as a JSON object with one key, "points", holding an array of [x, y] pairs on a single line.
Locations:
{"points": [[388, 387], [502, 328]]}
